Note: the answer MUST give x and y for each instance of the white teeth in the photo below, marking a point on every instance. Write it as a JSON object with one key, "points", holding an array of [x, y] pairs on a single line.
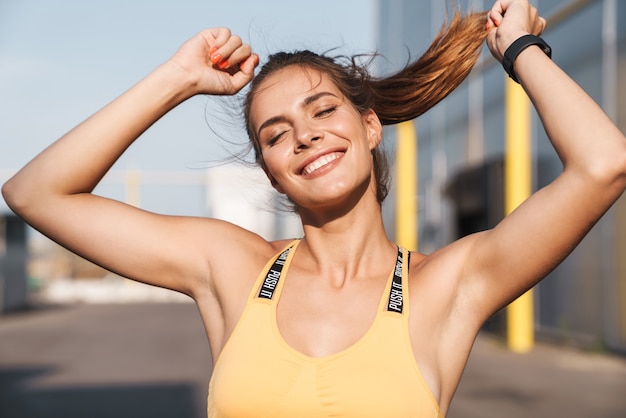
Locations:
{"points": [[320, 162]]}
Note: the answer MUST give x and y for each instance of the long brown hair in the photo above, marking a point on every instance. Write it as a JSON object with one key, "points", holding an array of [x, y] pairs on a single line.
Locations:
{"points": [[396, 98]]}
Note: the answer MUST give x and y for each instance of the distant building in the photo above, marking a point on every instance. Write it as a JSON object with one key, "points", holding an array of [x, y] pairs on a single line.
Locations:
{"points": [[13, 263], [461, 151], [243, 195]]}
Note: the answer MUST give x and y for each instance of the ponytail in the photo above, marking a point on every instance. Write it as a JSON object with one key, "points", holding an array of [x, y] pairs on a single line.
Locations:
{"points": [[424, 83]]}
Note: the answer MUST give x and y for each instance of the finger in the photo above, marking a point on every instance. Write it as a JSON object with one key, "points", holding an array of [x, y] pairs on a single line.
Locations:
{"points": [[240, 54], [533, 19], [249, 64], [224, 51], [234, 58], [245, 73], [495, 17], [537, 23], [541, 26], [217, 38], [492, 45]]}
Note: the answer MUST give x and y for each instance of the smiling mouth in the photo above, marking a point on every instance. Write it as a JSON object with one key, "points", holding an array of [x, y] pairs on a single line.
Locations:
{"points": [[320, 162]]}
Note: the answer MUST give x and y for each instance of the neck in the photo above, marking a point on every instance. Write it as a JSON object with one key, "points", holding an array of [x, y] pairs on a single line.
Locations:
{"points": [[342, 244]]}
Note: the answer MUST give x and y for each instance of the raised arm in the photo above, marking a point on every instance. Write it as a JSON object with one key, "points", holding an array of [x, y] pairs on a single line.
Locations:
{"points": [[53, 192], [506, 261]]}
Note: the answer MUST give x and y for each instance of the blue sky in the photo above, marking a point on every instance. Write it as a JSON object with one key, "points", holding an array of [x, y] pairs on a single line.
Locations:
{"points": [[62, 60]]}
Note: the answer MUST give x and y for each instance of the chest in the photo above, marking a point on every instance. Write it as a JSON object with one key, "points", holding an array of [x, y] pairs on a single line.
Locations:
{"points": [[304, 350], [320, 320], [260, 374]]}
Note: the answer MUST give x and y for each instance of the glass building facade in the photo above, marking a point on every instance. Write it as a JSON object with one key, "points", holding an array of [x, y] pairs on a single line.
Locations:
{"points": [[461, 148]]}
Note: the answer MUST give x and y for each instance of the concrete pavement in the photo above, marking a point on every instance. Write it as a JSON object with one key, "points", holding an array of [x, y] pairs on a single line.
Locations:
{"points": [[549, 382], [152, 360]]}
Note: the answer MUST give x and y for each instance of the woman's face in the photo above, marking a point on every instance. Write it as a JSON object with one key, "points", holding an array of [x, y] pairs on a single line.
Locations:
{"points": [[315, 146]]}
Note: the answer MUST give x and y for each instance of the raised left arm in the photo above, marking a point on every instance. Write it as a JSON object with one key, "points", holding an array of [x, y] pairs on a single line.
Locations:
{"points": [[540, 233]]}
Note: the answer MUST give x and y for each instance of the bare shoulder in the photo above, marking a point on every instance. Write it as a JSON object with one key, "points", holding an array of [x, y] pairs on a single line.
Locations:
{"points": [[444, 266], [233, 249], [437, 282], [236, 256]]}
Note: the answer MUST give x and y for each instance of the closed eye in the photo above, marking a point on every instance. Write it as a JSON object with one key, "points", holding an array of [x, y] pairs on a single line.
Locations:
{"points": [[273, 140], [325, 112]]}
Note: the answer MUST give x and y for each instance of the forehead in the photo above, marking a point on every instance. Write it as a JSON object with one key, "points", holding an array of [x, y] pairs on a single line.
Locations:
{"points": [[288, 87]]}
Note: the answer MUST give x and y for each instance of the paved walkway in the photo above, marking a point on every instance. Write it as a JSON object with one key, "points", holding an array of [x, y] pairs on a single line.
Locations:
{"points": [[152, 360], [549, 382]]}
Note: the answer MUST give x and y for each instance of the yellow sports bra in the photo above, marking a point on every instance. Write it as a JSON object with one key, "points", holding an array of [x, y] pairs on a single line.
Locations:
{"points": [[259, 375]]}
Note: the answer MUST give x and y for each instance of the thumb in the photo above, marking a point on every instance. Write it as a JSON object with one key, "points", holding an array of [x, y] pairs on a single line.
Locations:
{"points": [[246, 68], [245, 73]]}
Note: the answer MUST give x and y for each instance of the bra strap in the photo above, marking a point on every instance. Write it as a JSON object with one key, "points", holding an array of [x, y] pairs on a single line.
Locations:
{"points": [[396, 297], [273, 275], [394, 303]]}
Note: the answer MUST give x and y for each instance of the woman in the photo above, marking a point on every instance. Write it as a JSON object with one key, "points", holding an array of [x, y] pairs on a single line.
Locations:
{"points": [[361, 329]]}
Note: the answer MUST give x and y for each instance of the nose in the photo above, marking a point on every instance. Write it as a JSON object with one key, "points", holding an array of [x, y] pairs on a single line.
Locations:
{"points": [[305, 134]]}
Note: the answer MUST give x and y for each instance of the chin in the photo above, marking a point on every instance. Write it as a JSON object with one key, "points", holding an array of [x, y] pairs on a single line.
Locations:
{"points": [[337, 198]]}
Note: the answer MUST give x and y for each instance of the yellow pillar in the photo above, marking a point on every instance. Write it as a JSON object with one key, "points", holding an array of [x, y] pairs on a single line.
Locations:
{"points": [[517, 177], [406, 186]]}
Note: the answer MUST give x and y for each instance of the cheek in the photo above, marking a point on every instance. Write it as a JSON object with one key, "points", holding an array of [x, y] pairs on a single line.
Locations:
{"points": [[275, 161]]}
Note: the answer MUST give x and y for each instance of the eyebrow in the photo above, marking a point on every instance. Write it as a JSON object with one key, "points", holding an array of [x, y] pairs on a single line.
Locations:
{"points": [[306, 102]]}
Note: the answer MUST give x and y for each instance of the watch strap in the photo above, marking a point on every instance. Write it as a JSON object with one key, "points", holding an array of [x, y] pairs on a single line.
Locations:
{"points": [[517, 47]]}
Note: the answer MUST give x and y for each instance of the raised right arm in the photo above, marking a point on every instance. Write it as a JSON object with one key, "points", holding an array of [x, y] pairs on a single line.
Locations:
{"points": [[53, 192]]}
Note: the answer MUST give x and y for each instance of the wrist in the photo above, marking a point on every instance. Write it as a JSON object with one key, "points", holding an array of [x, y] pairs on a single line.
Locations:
{"points": [[177, 82], [517, 47]]}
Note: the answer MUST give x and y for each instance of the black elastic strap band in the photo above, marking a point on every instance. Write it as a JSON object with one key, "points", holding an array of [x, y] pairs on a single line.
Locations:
{"points": [[395, 303], [273, 275], [517, 47]]}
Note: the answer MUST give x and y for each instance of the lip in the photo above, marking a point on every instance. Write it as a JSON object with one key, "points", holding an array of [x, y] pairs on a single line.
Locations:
{"points": [[316, 156]]}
